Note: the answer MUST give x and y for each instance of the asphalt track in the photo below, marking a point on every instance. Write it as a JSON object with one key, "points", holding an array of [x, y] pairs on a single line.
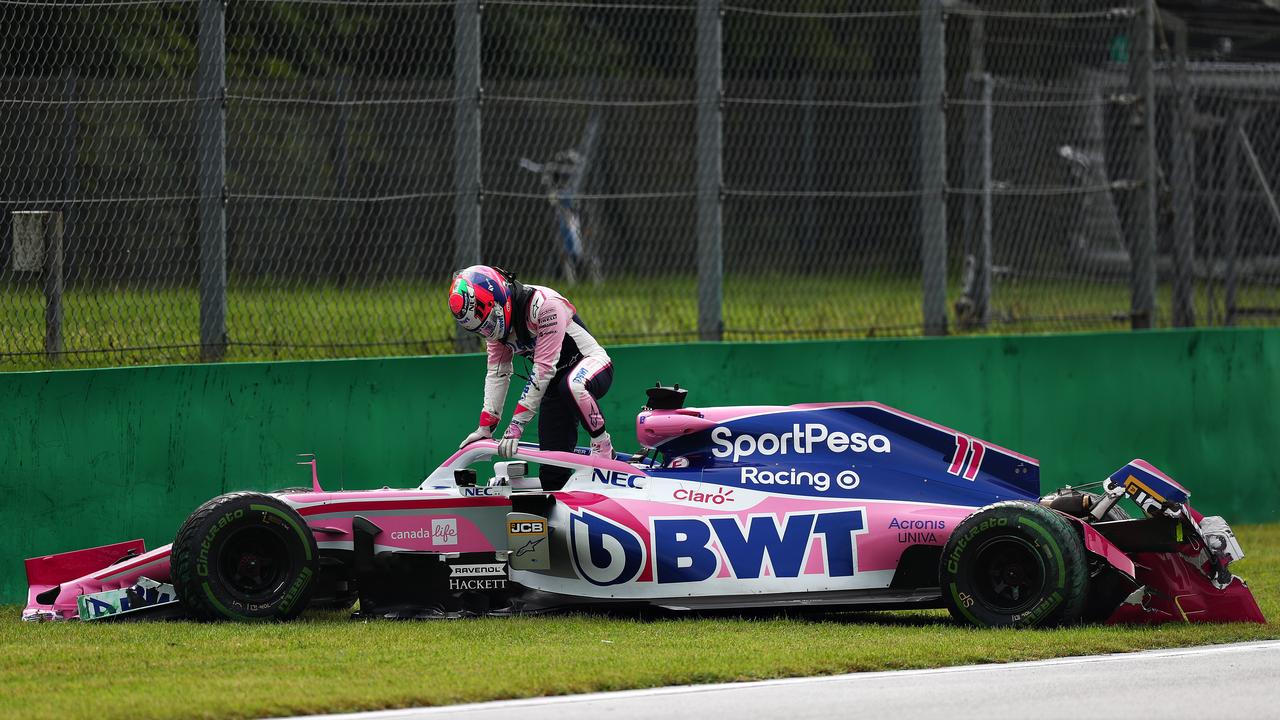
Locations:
{"points": [[1219, 681]]}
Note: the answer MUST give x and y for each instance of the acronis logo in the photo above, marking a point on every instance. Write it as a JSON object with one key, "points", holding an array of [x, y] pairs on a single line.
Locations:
{"points": [[604, 553], [694, 549]]}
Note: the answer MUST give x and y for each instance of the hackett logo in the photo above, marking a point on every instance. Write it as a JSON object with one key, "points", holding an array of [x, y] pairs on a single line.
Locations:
{"points": [[444, 531]]}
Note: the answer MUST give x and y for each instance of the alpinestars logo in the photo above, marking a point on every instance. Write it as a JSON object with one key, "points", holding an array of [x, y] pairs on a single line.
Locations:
{"points": [[812, 437]]}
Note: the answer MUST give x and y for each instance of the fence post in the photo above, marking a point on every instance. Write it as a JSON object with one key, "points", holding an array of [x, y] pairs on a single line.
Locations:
{"points": [[808, 224], [1142, 272], [70, 161], [1184, 178], [337, 237], [211, 114], [1230, 154], [986, 260], [932, 163], [468, 191], [975, 207], [53, 283], [710, 180]]}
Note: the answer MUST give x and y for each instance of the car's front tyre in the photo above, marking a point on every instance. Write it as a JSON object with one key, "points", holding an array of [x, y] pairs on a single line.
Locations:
{"points": [[244, 556], [1014, 564]]}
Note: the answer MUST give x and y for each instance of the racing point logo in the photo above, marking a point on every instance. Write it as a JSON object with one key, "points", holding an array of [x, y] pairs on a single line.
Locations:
{"points": [[604, 553]]}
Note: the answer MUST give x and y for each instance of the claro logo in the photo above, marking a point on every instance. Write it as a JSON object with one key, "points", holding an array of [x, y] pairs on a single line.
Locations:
{"points": [[812, 437]]}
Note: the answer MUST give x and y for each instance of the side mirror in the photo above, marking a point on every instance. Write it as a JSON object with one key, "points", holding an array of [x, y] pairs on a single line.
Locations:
{"points": [[464, 477]]}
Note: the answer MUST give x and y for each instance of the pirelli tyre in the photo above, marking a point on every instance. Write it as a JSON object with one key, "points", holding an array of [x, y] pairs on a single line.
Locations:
{"points": [[1014, 564], [244, 556]]}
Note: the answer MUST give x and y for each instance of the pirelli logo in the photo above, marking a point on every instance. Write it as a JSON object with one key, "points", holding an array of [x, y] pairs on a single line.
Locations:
{"points": [[526, 527]]}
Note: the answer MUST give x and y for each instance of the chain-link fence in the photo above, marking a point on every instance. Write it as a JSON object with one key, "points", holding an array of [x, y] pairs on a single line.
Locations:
{"points": [[188, 179]]}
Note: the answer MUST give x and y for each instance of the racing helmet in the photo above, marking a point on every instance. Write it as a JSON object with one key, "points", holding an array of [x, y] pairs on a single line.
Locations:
{"points": [[480, 300]]}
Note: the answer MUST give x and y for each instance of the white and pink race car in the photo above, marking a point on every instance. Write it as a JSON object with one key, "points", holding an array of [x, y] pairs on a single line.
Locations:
{"points": [[821, 506]]}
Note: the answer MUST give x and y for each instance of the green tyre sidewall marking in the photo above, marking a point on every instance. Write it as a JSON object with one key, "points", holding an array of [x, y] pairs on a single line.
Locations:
{"points": [[955, 595], [208, 592], [306, 539], [1053, 546]]}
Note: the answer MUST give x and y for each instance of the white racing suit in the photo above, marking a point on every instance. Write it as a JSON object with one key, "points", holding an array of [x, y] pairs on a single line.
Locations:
{"points": [[570, 372]]}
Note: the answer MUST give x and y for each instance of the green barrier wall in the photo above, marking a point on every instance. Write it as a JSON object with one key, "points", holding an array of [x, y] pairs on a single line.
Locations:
{"points": [[95, 456]]}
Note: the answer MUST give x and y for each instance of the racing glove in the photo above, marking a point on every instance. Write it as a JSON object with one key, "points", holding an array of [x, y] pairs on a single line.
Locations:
{"points": [[510, 441], [481, 433], [602, 446]]}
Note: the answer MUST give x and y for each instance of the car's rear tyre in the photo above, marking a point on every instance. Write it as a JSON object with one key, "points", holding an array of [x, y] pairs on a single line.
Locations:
{"points": [[244, 556], [1014, 564]]}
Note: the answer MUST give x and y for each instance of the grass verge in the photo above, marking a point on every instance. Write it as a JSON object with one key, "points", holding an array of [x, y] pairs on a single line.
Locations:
{"points": [[326, 663]]}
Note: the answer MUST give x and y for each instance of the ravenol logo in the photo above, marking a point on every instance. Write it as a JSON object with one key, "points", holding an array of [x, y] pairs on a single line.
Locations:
{"points": [[800, 440], [692, 549]]}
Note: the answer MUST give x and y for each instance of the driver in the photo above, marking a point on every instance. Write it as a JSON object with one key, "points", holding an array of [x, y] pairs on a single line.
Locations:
{"points": [[571, 371]]}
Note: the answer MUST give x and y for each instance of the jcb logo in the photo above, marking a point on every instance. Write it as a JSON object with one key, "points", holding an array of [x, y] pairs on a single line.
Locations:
{"points": [[526, 527]]}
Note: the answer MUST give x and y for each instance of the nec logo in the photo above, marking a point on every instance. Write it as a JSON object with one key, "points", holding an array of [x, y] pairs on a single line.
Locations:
{"points": [[526, 527], [617, 479], [480, 491]]}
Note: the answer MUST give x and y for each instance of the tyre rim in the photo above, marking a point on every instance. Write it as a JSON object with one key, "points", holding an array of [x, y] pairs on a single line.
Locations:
{"points": [[254, 562], [1009, 574]]}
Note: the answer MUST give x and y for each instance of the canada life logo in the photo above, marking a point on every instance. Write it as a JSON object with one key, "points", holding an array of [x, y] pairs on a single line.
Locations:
{"points": [[444, 531], [800, 440]]}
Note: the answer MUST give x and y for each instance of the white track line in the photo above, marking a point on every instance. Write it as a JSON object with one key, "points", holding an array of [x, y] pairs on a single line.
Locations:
{"points": [[514, 705]]}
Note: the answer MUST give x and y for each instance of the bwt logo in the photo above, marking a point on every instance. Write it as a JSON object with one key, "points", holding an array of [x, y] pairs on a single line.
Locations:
{"points": [[813, 437], [617, 479], [685, 548], [690, 549]]}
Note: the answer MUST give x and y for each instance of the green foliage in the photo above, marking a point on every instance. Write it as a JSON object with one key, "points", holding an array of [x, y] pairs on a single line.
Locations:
{"points": [[287, 321], [292, 41]]}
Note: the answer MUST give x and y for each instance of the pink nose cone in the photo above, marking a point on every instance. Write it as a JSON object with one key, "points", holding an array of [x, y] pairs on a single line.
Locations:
{"points": [[455, 303]]}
